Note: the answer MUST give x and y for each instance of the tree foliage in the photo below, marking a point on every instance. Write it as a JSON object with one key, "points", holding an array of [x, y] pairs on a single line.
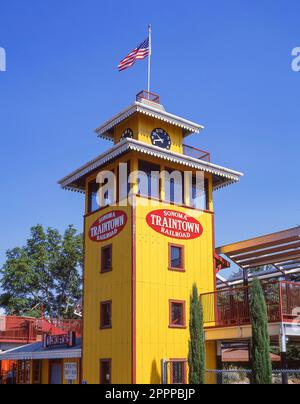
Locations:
{"points": [[197, 340], [46, 272], [261, 361]]}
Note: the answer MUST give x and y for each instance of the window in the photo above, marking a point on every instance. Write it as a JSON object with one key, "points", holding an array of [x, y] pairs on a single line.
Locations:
{"points": [[174, 187], [200, 194], [105, 371], [24, 368], [177, 314], [149, 179], [96, 199], [106, 259], [176, 258], [123, 184], [178, 371], [105, 315], [92, 197], [21, 372], [36, 373]]}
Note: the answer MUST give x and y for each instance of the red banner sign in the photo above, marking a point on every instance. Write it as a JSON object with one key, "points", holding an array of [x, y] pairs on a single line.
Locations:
{"points": [[174, 224], [108, 226]]}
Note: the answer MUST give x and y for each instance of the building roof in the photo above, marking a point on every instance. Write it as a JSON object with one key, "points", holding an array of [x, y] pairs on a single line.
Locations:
{"points": [[37, 352], [242, 356], [221, 176], [278, 253], [151, 109]]}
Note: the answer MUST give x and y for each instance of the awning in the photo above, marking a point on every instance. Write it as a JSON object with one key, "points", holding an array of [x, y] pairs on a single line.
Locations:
{"points": [[37, 352], [278, 252]]}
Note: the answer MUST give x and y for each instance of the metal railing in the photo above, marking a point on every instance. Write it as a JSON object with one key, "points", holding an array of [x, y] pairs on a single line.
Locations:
{"points": [[145, 95], [244, 376], [231, 307], [27, 329], [196, 153]]}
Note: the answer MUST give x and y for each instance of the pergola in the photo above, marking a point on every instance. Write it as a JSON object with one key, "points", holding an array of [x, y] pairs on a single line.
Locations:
{"points": [[279, 252]]}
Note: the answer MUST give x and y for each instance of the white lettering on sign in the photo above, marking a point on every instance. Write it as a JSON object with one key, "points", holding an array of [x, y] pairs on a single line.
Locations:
{"points": [[174, 224], [108, 226]]}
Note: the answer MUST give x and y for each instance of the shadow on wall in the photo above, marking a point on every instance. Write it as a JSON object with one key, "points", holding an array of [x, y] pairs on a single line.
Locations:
{"points": [[155, 376]]}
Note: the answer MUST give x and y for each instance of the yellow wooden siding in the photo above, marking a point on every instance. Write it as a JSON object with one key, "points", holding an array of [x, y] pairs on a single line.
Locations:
{"points": [[114, 343], [142, 127], [156, 285]]}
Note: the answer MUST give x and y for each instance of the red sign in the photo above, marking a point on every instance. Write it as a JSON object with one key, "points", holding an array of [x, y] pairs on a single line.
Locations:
{"points": [[174, 224], [108, 226]]}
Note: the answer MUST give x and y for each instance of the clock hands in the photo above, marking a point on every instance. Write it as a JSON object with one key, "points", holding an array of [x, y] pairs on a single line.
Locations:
{"points": [[158, 138]]}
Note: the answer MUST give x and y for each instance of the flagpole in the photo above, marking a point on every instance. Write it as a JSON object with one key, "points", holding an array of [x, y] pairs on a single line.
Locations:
{"points": [[149, 59]]}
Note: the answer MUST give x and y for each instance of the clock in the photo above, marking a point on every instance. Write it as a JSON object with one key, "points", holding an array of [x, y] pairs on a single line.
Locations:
{"points": [[160, 138], [127, 134]]}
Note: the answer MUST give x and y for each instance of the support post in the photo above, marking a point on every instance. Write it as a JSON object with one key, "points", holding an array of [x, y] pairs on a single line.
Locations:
{"points": [[283, 354], [219, 362], [246, 277]]}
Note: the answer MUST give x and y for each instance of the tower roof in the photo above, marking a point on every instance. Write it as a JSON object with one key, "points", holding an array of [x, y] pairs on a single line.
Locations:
{"points": [[221, 176], [147, 104]]}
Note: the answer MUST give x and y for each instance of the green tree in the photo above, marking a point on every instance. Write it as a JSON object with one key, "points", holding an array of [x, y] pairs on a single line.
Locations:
{"points": [[261, 361], [46, 272], [197, 340]]}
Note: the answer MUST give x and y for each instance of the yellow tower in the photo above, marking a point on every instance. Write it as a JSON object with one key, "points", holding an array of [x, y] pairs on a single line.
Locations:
{"points": [[144, 253]]}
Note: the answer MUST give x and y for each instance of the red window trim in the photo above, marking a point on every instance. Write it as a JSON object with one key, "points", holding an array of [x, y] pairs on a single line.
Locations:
{"points": [[106, 247], [183, 303], [184, 361], [182, 247], [109, 361], [105, 327]]}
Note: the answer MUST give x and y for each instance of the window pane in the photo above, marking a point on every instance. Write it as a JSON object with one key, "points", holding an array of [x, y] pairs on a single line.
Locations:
{"points": [[200, 194], [36, 372], [178, 369], [176, 257], [150, 177], [93, 190], [106, 315], [106, 259], [177, 314], [174, 186], [105, 372], [27, 372]]}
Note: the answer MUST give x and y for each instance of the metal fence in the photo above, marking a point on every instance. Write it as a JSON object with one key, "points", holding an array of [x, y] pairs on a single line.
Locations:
{"points": [[243, 376]]}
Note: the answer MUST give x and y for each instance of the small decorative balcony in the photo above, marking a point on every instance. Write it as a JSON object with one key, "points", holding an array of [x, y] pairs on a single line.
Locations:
{"points": [[231, 307]]}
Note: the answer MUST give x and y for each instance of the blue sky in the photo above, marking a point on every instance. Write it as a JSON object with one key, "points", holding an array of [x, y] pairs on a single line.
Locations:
{"points": [[224, 64]]}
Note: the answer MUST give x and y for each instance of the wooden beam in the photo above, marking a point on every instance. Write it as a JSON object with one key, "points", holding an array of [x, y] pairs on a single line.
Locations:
{"points": [[260, 253], [275, 259], [257, 243]]}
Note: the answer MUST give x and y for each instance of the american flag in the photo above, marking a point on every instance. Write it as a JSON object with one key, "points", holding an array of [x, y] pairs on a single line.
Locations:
{"points": [[139, 53]]}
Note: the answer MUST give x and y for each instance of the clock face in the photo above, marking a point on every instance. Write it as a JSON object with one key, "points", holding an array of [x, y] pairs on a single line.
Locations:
{"points": [[160, 138], [127, 134]]}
